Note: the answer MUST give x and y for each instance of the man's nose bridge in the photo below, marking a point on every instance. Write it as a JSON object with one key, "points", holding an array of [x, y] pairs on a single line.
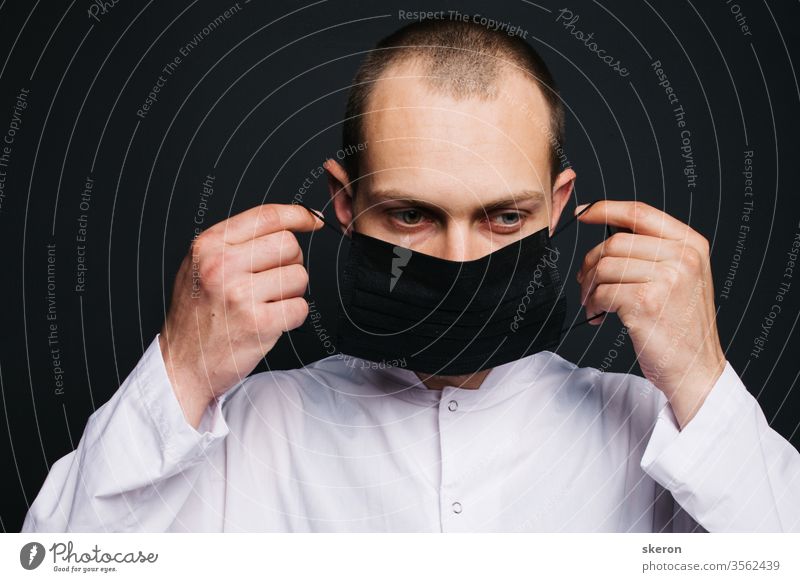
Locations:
{"points": [[461, 244]]}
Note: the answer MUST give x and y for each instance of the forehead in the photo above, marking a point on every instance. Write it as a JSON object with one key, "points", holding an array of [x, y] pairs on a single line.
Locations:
{"points": [[415, 133]]}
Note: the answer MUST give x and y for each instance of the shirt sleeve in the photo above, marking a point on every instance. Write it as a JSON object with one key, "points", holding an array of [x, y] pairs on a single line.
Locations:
{"points": [[136, 462], [727, 468]]}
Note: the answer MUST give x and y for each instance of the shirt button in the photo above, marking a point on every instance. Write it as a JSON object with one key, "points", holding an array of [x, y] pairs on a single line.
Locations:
{"points": [[452, 406], [456, 507]]}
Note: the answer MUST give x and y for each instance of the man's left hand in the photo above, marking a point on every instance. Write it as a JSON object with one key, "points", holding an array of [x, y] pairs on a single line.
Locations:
{"points": [[657, 279]]}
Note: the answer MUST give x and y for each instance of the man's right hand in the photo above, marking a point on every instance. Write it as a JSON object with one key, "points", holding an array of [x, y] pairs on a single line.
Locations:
{"points": [[239, 288]]}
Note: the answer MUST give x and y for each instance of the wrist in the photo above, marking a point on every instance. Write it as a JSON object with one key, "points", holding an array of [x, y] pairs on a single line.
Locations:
{"points": [[192, 393], [687, 398]]}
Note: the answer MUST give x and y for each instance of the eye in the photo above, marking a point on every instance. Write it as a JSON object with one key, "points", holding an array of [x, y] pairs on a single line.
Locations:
{"points": [[508, 218], [410, 216]]}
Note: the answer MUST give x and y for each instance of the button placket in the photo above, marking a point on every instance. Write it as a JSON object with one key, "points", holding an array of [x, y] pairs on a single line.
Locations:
{"points": [[451, 428]]}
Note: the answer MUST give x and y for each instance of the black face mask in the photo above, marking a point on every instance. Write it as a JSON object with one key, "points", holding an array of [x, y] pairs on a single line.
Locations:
{"points": [[405, 308]]}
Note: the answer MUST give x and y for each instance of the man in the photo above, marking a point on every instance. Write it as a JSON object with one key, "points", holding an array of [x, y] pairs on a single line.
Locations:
{"points": [[460, 126]]}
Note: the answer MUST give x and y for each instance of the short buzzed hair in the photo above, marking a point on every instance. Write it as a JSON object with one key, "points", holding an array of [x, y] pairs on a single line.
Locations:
{"points": [[461, 59]]}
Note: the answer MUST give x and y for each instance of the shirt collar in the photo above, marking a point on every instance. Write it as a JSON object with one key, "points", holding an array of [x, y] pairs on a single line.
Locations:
{"points": [[501, 383]]}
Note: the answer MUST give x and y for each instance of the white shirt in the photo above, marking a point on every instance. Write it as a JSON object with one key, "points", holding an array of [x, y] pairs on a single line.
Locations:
{"points": [[542, 445]]}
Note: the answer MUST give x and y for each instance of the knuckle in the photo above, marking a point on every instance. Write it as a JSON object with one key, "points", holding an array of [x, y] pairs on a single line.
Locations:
{"points": [[671, 276], [290, 247], [605, 266], [587, 262], [599, 296], [640, 211], [602, 299], [703, 244], [200, 244], [651, 299], [286, 238], [237, 294], [211, 269], [298, 274], [617, 243], [692, 259], [301, 308], [295, 311]]}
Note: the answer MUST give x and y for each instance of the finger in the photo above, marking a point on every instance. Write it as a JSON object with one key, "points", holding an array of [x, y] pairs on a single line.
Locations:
{"points": [[265, 219], [618, 270], [611, 298], [265, 252], [280, 283], [284, 315], [638, 217], [635, 246]]}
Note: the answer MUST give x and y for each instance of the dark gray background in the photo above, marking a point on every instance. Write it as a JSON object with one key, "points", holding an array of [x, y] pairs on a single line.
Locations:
{"points": [[258, 104]]}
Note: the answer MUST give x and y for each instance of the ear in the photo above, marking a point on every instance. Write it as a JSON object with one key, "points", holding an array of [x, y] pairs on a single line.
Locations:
{"points": [[562, 190], [341, 193]]}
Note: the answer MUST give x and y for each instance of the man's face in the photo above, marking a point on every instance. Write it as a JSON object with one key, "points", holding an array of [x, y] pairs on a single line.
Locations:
{"points": [[456, 179]]}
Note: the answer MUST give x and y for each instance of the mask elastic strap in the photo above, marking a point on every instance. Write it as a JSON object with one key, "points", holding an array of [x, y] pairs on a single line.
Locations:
{"points": [[575, 217], [319, 215], [608, 234]]}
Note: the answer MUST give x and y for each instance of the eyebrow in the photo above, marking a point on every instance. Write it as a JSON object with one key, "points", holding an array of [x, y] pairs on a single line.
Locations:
{"points": [[508, 201]]}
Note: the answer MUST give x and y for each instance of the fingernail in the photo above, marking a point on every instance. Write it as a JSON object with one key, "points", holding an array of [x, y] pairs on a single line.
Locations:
{"points": [[581, 207]]}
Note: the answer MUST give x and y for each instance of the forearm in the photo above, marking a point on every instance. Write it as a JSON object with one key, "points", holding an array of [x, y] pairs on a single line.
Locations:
{"points": [[135, 464], [727, 468]]}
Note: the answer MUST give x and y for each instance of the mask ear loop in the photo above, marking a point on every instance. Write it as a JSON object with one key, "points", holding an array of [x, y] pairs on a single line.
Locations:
{"points": [[319, 215], [609, 232], [575, 217], [322, 218]]}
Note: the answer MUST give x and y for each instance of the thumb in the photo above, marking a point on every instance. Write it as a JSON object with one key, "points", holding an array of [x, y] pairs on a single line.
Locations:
{"points": [[579, 208]]}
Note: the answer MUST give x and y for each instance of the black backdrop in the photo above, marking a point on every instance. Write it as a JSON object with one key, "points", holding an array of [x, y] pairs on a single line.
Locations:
{"points": [[256, 100]]}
